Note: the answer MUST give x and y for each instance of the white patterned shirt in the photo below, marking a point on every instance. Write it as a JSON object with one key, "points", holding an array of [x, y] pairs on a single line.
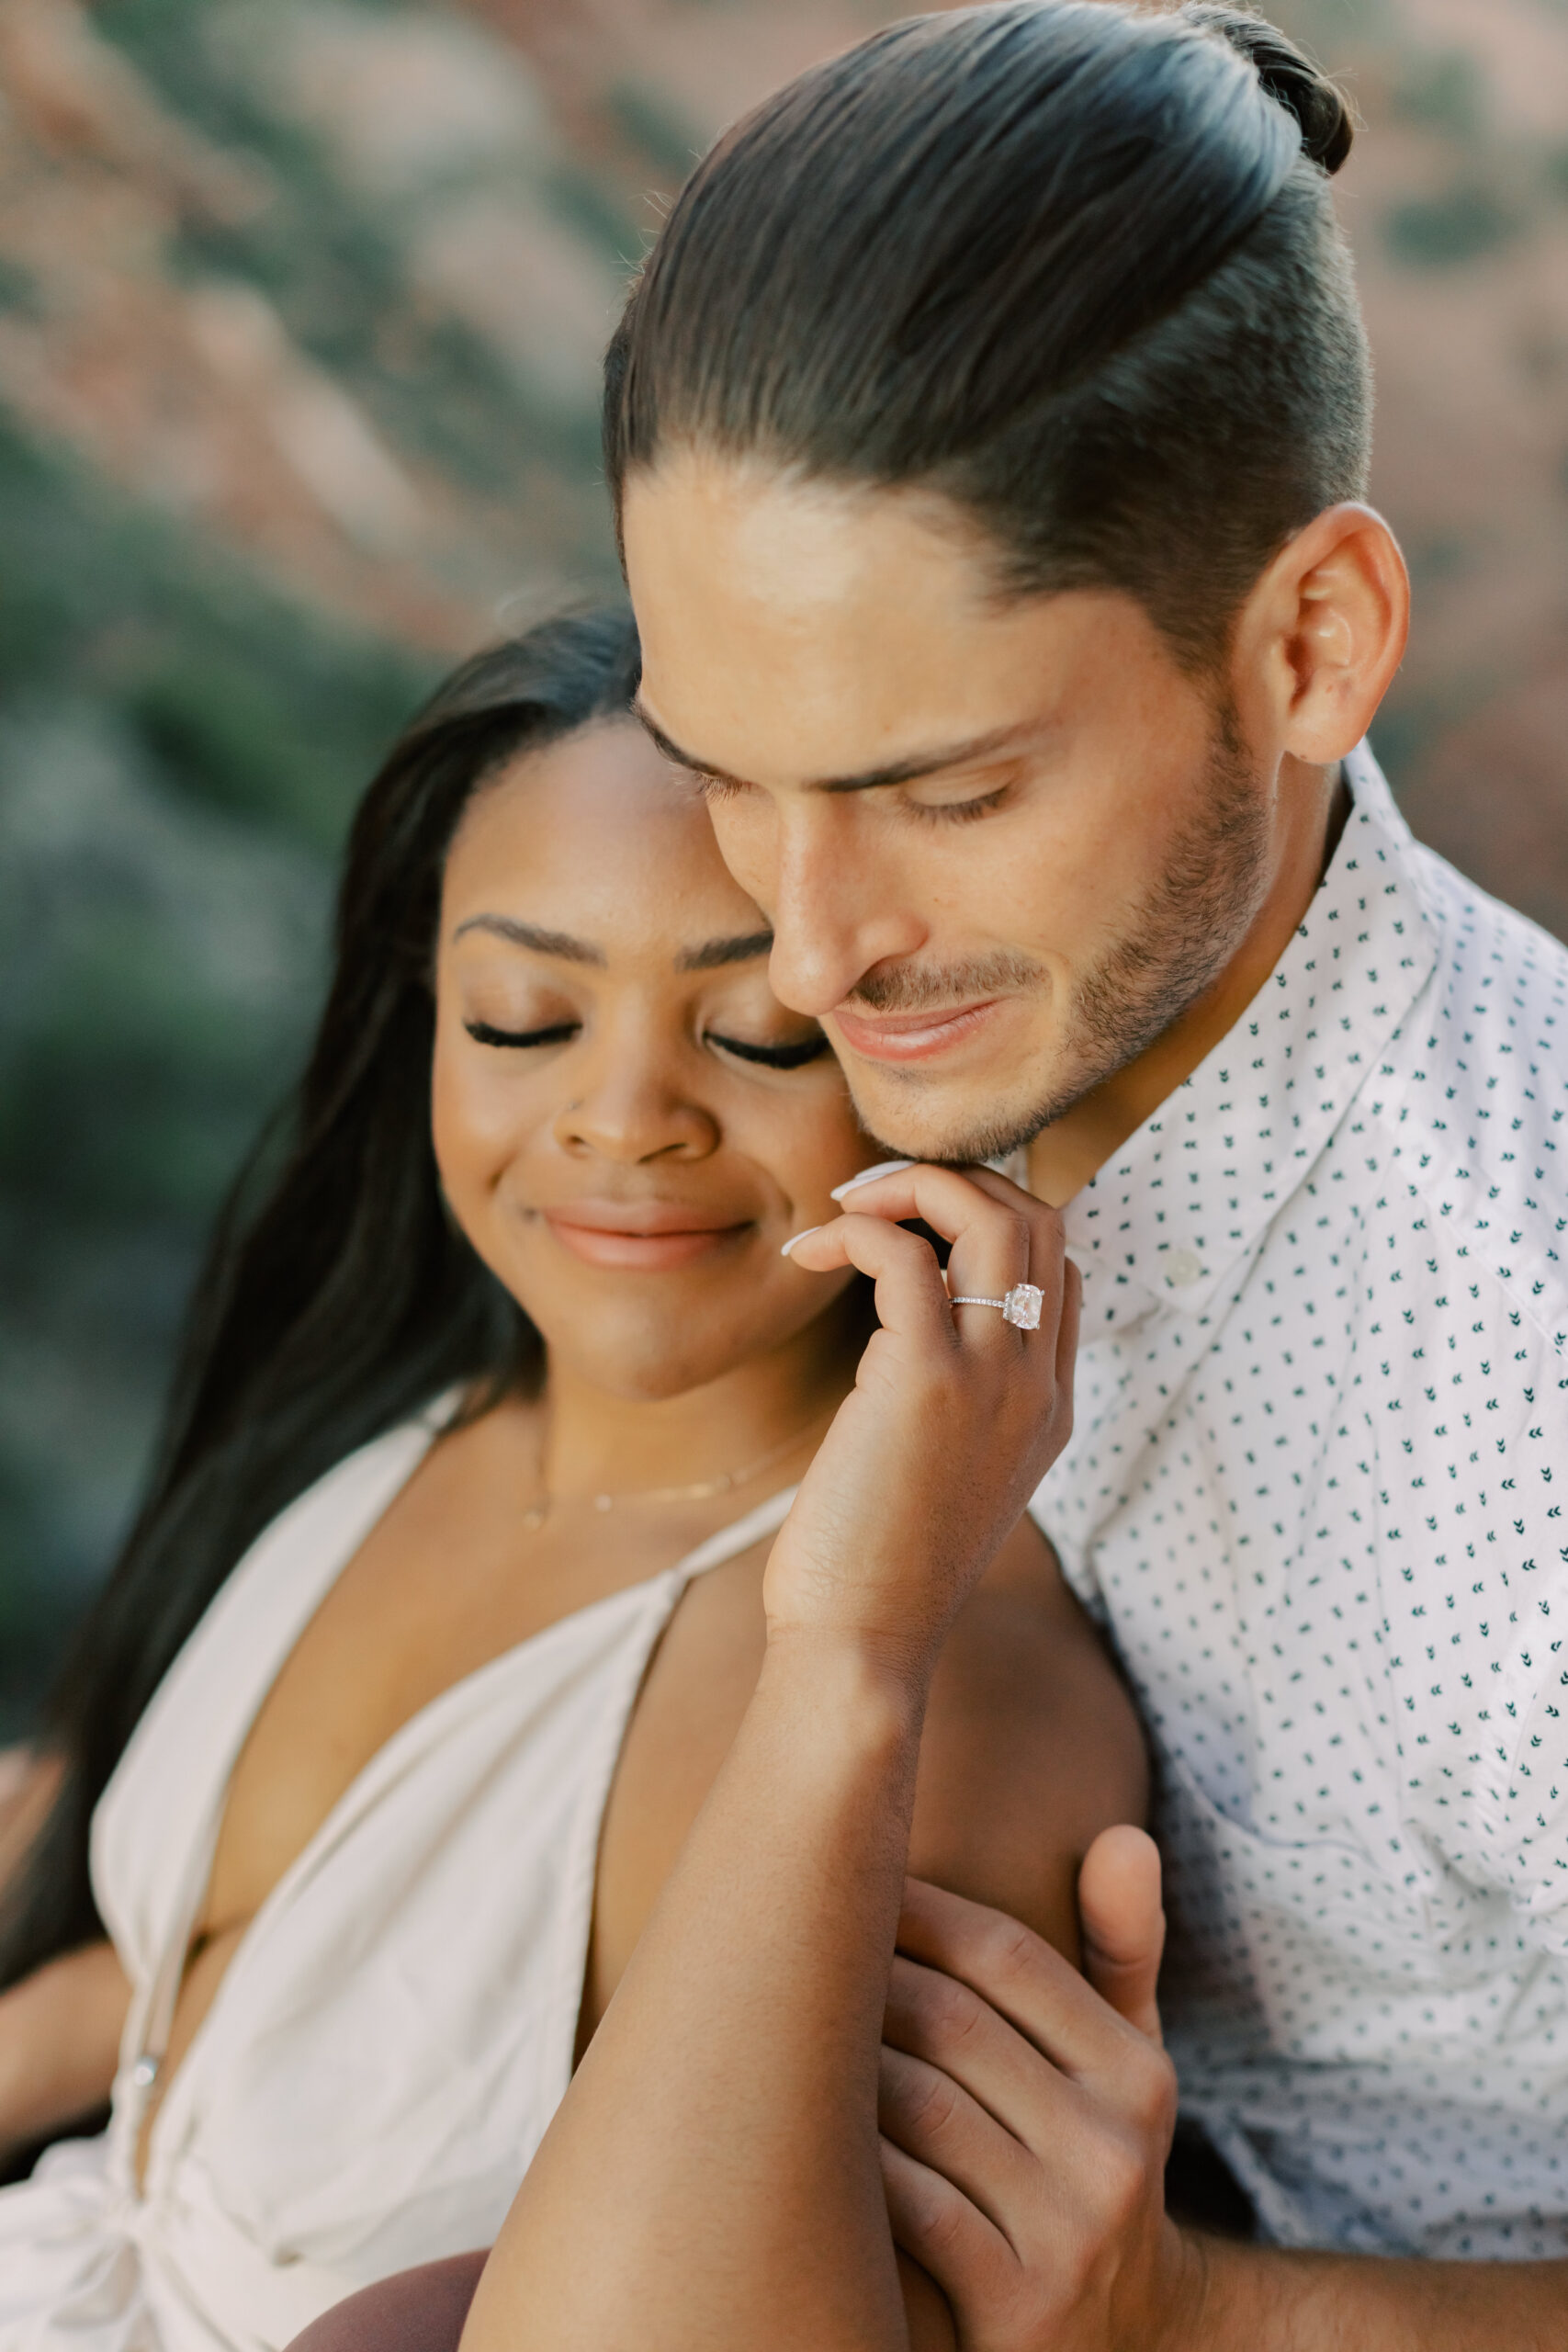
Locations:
{"points": [[1317, 1492]]}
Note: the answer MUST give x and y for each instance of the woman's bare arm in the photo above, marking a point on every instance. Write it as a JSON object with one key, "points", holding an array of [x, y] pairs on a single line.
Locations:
{"points": [[60, 2028], [670, 2204], [712, 2177], [60, 2032]]}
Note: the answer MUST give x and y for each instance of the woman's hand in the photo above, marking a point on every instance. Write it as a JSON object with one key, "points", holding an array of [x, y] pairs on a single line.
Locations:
{"points": [[60, 2032], [954, 1417]]}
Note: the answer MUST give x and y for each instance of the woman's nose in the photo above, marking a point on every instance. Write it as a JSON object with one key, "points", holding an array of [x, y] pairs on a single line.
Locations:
{"points": [[632, 1112]]}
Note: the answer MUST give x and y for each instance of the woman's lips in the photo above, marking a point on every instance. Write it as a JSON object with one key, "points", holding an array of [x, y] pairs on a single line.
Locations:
{"points": [[912, 1036], [652, 1239]]}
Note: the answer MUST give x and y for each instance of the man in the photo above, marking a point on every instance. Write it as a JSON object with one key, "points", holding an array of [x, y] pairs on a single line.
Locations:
{"points": [[988, 433]]}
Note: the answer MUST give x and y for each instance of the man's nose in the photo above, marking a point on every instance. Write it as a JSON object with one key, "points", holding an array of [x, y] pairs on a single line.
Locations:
{"points": [[836, 912]]}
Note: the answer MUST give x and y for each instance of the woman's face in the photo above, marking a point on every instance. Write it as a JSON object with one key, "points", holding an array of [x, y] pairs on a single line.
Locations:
{"points": [[628, 1122]]}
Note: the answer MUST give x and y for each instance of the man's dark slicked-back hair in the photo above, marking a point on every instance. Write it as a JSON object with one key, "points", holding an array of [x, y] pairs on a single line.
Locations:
{"points": [[1071, 263]]}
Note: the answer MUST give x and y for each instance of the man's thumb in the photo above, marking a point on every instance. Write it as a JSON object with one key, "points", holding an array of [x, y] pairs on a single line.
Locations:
{"points": [[1122, 1924]]}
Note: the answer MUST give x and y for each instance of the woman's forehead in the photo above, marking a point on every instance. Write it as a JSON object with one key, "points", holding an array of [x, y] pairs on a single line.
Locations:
{"points": [[599, 837]]}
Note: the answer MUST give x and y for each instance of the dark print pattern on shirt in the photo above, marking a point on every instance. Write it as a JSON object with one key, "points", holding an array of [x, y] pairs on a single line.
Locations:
{"points": [[1316, 1490]]}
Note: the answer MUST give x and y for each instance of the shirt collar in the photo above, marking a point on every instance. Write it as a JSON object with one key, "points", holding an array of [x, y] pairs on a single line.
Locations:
{"points": [[1188, 1196]]}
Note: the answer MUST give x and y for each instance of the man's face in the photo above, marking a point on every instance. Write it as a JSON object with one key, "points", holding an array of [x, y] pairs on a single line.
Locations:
{"points": [[1003, 844]]}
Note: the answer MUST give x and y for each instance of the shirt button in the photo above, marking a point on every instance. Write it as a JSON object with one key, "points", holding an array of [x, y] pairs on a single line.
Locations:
{"points": [[1184, 1268]]}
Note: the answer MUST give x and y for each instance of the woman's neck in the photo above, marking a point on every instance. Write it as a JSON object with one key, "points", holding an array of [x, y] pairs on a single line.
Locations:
{"points": [[595, 1442]]}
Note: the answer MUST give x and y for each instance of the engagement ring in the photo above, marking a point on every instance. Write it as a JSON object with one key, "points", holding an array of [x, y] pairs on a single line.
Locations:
{"points": [[1021, 1306]]}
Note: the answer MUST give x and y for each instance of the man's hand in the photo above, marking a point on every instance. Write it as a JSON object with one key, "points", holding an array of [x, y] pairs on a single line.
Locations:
{"points": [[1027, 2115], [1026, 2118]]}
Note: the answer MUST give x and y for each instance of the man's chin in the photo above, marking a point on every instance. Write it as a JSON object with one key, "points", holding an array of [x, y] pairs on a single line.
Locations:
{"points": [[958, 1125]]}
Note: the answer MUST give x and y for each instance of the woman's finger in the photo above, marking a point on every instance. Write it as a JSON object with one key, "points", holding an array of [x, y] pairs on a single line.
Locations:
{"points": [[911, 1297], [975, 1173], [1000, 1238], [950, 1199], [1067, 1332]]}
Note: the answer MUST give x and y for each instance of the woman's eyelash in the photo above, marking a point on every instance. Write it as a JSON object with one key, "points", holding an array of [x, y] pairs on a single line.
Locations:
{"points": [[483, 1033], [794, 1056], [808, 1049], [715, 788]]}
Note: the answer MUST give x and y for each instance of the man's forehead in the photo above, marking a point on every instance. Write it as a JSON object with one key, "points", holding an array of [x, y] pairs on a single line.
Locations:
{"points": [[767, 658]]}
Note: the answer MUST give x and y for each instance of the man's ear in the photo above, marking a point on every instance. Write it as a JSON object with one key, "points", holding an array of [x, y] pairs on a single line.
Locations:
{"points": [[1324, 632]]}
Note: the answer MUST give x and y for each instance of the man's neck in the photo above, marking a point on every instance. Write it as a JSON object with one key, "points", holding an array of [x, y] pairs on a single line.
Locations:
{"points": [[1073, 1147]]}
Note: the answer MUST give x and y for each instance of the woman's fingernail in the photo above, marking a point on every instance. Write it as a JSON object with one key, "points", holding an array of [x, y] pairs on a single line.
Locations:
{"points": [[794, 1237], [869, 1175]]}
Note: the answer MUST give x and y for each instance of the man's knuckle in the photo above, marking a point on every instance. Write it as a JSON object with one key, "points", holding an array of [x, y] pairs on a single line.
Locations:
{"points": [[954, 2011], [945, 2218], [1008, 1949], [1121, 2183], [933, 2104], [1153, 2088]]}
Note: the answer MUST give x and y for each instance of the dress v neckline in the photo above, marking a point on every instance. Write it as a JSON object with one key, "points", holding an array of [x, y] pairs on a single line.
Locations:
{"points": [[158, 2008]]}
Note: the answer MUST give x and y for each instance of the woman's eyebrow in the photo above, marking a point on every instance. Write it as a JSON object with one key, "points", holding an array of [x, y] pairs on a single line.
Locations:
{"points": [[715, 951], [560, 944]]}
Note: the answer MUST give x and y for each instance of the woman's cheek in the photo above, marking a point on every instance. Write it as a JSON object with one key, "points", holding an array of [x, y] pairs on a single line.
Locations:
{"points": [[826, 1148], [474, 1122]]}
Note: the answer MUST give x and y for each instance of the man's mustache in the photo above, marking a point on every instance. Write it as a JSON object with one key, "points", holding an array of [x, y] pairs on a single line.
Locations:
{"points": [[923, 987]]}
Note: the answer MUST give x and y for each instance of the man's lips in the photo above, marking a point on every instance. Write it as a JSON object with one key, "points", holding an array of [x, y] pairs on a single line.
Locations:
{"points": [[650, 1237], [912, 1036]]}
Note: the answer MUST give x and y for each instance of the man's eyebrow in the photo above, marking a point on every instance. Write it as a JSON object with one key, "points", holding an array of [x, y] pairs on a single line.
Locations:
{"points": [[560, 944], [920, 764], [715, 951]]}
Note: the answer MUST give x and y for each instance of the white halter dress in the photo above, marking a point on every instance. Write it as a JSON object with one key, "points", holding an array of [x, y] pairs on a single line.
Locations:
{"points": [[397, 2027]]}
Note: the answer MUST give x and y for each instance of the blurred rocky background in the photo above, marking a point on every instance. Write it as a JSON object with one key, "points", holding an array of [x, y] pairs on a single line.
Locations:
{"points": [[301, 303]]}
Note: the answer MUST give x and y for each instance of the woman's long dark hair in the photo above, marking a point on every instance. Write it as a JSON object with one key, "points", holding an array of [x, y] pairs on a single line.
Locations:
{"points": [[337, 1296]]}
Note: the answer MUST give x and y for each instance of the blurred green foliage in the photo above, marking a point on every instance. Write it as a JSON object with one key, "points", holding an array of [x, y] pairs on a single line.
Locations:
{"points": [[334, 264], [1442, 92], [179, 747], [1463, 222]]}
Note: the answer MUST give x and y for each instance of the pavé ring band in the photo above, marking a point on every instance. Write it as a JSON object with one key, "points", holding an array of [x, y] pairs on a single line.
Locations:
{"points": [[1021, 1306]]}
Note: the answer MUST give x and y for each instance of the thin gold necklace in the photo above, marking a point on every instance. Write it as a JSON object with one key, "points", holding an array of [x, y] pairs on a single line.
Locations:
{"points": [[700, 1490]]}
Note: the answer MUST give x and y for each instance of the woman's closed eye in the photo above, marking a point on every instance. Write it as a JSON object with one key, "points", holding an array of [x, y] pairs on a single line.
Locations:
{"points": [[794, 1056], [557, 1032]]}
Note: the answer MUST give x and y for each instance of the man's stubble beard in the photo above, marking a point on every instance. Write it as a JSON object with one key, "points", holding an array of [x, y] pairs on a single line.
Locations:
{"points": [[1181, 937]]}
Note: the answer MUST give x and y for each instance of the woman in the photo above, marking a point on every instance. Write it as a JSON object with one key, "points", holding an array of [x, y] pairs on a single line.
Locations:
{"points": [[447, 1600]]}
